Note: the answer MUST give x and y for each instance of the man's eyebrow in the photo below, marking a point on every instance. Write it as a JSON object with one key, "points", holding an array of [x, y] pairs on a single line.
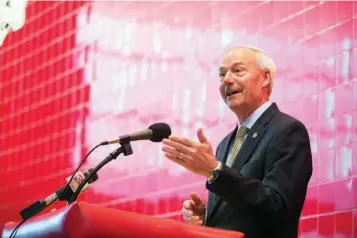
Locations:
{"points": [[221, 68]]}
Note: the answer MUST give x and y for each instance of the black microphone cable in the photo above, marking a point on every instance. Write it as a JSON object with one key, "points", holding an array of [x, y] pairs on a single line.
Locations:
{"points": [[13, 233]]}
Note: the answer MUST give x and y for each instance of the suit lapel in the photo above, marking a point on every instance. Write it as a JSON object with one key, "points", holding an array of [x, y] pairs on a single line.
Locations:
{"points": [[254, 135], [223, 153]]}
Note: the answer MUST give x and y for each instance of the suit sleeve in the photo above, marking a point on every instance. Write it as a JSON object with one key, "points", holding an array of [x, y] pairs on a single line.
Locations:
{"points": [[281, 193]]}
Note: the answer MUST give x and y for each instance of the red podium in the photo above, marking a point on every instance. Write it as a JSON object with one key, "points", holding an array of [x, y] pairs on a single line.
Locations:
{"points": [[81, 220]]}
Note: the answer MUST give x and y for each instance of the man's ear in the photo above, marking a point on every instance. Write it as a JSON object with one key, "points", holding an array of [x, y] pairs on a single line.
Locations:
{"points": [[267, 78]]}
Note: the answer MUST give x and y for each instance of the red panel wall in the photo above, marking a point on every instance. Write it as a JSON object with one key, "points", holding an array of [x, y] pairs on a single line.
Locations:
{"points": [[79, 73]]}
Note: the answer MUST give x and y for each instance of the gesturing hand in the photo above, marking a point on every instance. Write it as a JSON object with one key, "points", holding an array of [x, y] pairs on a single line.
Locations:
{"points": [[196, 157], [194, 210]]}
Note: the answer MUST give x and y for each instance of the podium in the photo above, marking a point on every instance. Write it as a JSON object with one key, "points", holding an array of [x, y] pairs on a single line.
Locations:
{"points": [[83, 220]]}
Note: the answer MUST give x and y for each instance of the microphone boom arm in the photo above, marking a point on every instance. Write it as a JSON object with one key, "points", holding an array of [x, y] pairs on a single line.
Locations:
{"points": [[125, 149]]}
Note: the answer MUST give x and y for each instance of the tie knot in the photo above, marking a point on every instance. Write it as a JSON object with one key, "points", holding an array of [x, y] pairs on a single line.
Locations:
{"points": [[242, 131]]}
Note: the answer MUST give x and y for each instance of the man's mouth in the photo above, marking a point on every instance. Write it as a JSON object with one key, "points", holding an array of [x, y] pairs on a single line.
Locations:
{"points": [[232, 93]]}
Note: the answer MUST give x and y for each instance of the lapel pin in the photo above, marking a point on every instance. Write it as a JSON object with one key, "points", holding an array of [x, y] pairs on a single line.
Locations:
{"points": [[255, 134]]}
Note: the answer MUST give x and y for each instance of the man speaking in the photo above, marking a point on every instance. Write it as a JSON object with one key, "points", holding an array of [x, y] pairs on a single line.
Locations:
{"points": [[258, 177]]}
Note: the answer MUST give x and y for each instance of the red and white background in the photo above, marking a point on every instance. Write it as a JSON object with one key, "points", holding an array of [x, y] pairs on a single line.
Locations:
{"points": [[79, 73]]}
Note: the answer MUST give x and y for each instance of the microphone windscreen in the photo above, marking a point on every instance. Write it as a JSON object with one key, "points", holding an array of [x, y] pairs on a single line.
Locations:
{"points": [[160, 131]]}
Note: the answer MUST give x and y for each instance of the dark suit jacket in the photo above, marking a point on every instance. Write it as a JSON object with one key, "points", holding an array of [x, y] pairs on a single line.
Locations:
{"points": [[263, 193]]}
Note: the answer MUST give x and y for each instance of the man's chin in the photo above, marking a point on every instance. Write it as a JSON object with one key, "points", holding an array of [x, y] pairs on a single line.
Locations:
{"points": [[234, 104], [236, 107]]}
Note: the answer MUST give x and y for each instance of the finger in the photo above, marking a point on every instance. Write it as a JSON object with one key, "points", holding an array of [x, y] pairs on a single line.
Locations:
{"points": [[201, 136], [176, 153], [176, 160], [183, 140], [178, 146], [188, 204], [192, 218], [197, 199], [199, 222], [187, 212], [171, 151], [194, 222]]}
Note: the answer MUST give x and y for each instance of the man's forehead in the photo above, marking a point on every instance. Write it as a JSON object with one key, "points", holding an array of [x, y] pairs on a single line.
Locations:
{"points": [[238, 56]]}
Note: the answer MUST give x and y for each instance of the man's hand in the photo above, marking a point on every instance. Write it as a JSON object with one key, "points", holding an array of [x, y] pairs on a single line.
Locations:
{"points": [[196, 157], [194, 210]]}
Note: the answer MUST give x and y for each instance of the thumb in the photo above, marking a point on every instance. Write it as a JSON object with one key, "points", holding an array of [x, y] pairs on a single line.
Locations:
{"points": [[197, 199], [201, 136]]}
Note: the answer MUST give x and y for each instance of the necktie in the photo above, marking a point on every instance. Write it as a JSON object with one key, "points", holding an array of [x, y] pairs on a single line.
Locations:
{"points": [[237, 144]]}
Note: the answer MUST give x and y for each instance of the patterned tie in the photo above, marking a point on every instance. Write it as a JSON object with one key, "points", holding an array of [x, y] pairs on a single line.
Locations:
{"points": [[237, 144]]}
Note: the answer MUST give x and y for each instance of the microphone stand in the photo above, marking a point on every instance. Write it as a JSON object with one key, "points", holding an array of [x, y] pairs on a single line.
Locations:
{"points": [[125, 149], [33, 209]]}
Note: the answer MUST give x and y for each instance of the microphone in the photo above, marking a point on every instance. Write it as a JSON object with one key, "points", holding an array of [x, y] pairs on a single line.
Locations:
{"points": [[156, 133], [64, 193]]}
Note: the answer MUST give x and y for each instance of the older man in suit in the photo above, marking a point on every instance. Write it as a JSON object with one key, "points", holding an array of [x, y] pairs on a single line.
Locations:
{"points": [[258, 177]]}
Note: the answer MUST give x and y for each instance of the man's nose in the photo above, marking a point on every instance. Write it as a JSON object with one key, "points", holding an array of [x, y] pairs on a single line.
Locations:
{"points": [[228, 78]]}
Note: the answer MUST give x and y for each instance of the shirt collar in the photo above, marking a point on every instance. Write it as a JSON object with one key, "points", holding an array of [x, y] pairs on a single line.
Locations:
{"points": [[256, 114]]}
